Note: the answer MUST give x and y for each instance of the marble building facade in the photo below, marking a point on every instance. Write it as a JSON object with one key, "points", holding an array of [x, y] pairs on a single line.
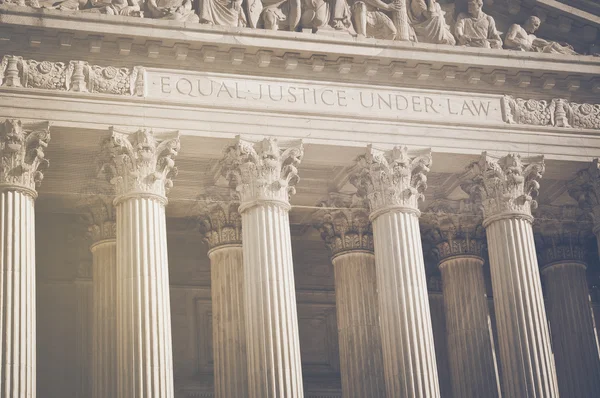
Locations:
{"points": [[299, 199]]}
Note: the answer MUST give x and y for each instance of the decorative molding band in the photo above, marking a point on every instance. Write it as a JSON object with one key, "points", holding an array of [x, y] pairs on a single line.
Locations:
{"points": [[557, 113], [76, 76]]}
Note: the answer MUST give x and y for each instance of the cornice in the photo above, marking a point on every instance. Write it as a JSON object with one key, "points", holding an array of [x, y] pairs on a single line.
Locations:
{"points": [[160, 43]]}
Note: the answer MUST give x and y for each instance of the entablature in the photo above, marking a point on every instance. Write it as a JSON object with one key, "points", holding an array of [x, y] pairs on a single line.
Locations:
{"points": [[127, 41]]}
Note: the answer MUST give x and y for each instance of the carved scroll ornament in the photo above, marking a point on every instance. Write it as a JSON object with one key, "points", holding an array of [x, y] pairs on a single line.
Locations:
{"points": [[77, 76], [557, 113]]}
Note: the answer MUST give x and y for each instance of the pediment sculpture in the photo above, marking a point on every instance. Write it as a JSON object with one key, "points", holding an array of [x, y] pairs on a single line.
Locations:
{"points": [[326, 15], [222, 12], [177, 10], [426, 17], [522, 38], [477, 29]]}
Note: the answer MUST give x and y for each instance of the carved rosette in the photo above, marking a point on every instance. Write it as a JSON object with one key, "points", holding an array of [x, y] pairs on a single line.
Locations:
{"points": [[141, 163], [585, 189], [220, 223], [455, 228], [22, 155], [392, 179], [344, 225], [262, 172], [560, 235], [505, 187]]}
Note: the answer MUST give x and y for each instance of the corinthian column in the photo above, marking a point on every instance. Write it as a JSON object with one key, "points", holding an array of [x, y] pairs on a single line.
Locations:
{"points": [[563, 260], [459, 238], [102, 231], [21, 161], [393, 182], [506, 188], [347, 233], [141, 165], [222, 227], [264, 176]]}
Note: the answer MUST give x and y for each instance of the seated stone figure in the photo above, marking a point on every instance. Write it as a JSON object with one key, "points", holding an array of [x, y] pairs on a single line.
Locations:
{"points": [[522, 38], [177, 10], [326, 14], [115, 7], [222, 12], [280, 15], [427, 19], [371, 19], [477, 29]]}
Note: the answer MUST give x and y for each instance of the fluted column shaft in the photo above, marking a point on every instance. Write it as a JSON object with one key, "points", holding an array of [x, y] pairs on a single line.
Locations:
{"points": [[104, 331], [273, 344], [470, 342], [229, 329], [359, 334], [525, 351], [17, 295], [408, 349], [22, 159], [438, 324], [145, 361], [573, 334], [83, 337]]}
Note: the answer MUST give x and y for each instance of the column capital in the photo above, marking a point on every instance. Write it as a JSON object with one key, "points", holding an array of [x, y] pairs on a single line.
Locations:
{"points": [[505, 186], [561, 233], [22, 157], [455, 228], [394, 179], [140, 163], [101, 217], [263, 171], [220, 222], [344, 224], [585, 189]]}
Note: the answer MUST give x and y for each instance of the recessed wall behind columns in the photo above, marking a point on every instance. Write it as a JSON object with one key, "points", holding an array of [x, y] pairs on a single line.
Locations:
{"points": [[61, 253]]}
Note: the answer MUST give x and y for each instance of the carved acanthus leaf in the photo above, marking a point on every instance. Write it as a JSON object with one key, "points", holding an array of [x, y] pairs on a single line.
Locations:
{"points": [[141, 162], [77, 76], [395, 178], [557, 112], [100, 216], [585, 189], [262, 171], [22, 153], [220, 221], [504, 186], [455, 228], [344, 224], [561, 234]]}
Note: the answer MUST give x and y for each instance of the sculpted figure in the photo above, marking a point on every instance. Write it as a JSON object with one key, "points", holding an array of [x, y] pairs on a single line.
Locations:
{"points": [[381, 20], [177, 10], [129, 8], [327, 14], [222, 12], [477, 29], [427, 19], [522, 38], [280, 14]]}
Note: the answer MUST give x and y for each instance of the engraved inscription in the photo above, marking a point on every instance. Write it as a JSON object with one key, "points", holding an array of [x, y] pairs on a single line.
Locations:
{"points": [[308, 97]]}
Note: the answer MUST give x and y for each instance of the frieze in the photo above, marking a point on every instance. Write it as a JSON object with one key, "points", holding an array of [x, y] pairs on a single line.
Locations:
{"points": [[556, 112], [77, 76]]}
